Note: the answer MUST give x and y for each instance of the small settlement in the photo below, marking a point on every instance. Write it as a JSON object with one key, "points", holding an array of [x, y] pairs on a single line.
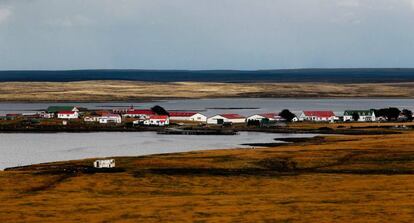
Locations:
{"points": [[130, 116]]}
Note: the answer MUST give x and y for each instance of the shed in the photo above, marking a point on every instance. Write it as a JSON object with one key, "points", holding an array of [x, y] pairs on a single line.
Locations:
{"points": [[108, 163]]}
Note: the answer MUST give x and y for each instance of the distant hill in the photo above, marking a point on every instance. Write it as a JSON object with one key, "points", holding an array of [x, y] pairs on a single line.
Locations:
{"points": [[293, 75]]}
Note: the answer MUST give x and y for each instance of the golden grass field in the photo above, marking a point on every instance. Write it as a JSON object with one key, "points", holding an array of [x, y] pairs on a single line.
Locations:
{"points": [[131, 90], [365, 178]]}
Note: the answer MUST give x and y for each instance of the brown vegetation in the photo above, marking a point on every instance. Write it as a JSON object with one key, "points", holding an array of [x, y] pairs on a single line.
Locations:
{"points": [[130, 90], [328, 179]]}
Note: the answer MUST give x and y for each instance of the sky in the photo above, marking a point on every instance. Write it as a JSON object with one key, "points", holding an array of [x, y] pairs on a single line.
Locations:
{"points": [[205, 34]]}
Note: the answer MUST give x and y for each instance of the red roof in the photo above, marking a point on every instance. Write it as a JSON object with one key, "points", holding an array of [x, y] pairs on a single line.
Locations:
{"points": [[269, 115], [182, 114], [141, 112], [102, 112], [111, 115], [232, 116], [66, 112], [321, 114], [162, 117], [13, 115]]}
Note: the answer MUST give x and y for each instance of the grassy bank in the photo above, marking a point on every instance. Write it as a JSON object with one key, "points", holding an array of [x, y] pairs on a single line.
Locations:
{"points": [[88, 91], [364, 178]]}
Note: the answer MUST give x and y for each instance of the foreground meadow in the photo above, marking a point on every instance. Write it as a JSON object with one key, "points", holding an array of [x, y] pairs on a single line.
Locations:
{"points": [[327, 179]]}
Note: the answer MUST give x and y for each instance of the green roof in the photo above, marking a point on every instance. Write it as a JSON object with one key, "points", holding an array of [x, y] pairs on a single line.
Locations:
{"points": [[54, 109], [360, 112]]}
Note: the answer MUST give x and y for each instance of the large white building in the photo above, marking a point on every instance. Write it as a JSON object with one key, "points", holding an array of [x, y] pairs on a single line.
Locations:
{"points": [[362, 115], [187, 116], [226, 118], [269, 116]]}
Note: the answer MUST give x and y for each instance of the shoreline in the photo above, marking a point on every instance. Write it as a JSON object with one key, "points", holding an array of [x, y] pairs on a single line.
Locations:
{"points": [[285, 141], [374, 130], [319, 136], [204, 185]]}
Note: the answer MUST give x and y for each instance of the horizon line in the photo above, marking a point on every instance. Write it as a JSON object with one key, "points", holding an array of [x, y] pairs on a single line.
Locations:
{"points": [[202, 70]]}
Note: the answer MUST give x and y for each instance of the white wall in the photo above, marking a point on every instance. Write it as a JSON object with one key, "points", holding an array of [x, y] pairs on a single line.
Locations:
{"points": [[213, 120], [68, 116], [255, 117], [196, 118], [364, 118]]}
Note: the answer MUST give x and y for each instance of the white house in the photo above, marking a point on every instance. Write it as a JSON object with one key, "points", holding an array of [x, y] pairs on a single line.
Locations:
{"points": [[226, 118], [318, 116], [187, 116], [110, 118], [363, 115], [91, 118], [46, 115], [109, 163], [68, 115], [269, 116], [157, 120]]}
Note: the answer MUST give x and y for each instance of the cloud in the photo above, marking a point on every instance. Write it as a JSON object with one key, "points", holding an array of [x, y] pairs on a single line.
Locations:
{"points": [[72, 21], [5, 13], [199, 34], [349, 3]]}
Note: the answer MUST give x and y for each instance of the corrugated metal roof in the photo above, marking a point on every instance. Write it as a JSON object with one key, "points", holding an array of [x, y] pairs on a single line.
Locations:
{"points": [[232, 116], [66, 112], [141, 112], [53, 109], [161, 117], [269, 115], [182, 114], [322, 114]]}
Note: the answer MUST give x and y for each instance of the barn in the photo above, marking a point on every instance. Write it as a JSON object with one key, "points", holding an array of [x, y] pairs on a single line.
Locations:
{"points": [[226, 118], [187, 116]]}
